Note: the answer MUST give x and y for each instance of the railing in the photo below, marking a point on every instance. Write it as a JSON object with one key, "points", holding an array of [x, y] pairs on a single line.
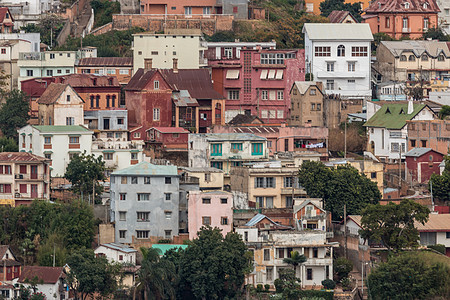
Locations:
{"points": [[406, 30], [203, 61], [32, 56], [186, 180], [30, 176]]}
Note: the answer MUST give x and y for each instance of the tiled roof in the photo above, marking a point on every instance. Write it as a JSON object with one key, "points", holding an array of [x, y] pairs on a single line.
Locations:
{"points": [[244, 119], [20, 157], [170, 129], [61, 128], [341, 32], [432, 48], [146, 168], [44, 274], [398, 6], [436, 222], [3, 11], [119, 247], [52, 93], [231, 137], [106, 62], [393, 116], [88, 80], [356, 219], [337, 16]]}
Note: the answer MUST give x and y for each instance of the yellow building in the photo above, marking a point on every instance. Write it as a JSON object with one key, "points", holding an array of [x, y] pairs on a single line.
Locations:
{"points": [[208, 178], [313, 6]]}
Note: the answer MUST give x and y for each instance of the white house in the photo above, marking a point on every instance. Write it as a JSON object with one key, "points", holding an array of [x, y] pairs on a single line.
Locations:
{"points": [[58, 143], [9, 54], [387, 130], [50, 281], [339, 56], [436, 231], [116, 252]]}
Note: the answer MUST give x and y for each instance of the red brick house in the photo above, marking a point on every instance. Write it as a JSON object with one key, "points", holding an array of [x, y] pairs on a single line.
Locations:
{"points": [[422, 162], [168, 138], [402, 18], [174, 98], [10, 267]]}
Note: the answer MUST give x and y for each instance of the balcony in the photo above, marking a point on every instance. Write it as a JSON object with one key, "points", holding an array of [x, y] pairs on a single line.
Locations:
{"points": [[32, 56], [290, 191], [39, 177], [202, 61], [406, 30]]}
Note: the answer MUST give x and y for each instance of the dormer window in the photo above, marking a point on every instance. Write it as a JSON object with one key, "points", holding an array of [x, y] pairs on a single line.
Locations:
{"points": [[379, 5], [425, 5], [7, 16], [94, 81], [406, 5]]}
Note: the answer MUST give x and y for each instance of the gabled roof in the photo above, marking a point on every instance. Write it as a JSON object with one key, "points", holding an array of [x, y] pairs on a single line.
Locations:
{"points": [[432, 48], [398, 6], [118, 247], [20, 157], [146, 168], [61, 128], [245, 119], [417, 152], [47, 275], [436, 223], [341, 32], [53, 92], [355, 218], [3, 249], [306, 202], [394, 115], [258, 218], [338, 16], [169, 129], [303, 86], [3, 11], [106, 62]]}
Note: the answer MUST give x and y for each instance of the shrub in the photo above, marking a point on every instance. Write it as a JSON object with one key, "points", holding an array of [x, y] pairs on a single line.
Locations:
{"points": [[346, 283], [278, 283], [259, 288], [267, 287], [342, 267], [439, 248], [329, 284]]}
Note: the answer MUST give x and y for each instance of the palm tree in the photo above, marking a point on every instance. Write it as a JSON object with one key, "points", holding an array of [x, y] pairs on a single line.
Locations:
{"points": [[295, 260], [155, 276]]}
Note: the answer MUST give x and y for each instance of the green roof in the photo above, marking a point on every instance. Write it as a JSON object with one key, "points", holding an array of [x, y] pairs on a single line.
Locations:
{"points": [[61, 128], [393, 116], [146, 168], [166, 247]]}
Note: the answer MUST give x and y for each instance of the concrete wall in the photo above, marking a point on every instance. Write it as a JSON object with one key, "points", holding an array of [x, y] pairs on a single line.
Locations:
{"points": [[106, 233], [59, 111]]}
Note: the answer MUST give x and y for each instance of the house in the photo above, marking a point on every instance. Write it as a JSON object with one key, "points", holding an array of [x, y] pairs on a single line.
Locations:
{"points": [[434, 134], [402, 19], [60, 105], [309, 214], [168, 138], [51, 281], [118, 253], [224, 150], [339, 56], [28, 12], [214, 208], [231, 51], [174, 98], [388, 131], [421, 163], [56, 143], [120, 67], [209, 179], [243, 119], [9, 55], [10, 266], [257, 82], [6, 20], [444, 15], [144, 203], [341, 16], [7, 290], [436, 231], [313, 6], [307, 101], [23, 178]]}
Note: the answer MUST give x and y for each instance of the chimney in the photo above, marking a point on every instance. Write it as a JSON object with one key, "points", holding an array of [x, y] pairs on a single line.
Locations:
{"points": [[175, 65], [148, 63], [410, 107]]}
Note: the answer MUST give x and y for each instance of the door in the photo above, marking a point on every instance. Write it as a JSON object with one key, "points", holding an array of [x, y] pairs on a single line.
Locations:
{"points": [[105, 124], [34, 172], [34, 193]]}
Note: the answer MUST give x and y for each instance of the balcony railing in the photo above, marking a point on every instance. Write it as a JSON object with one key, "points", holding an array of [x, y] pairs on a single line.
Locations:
{"points": [[31, 56], [30, 176], [406, 30]]}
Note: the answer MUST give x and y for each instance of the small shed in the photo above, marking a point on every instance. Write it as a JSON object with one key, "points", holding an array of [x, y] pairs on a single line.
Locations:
{"points": [[422, 162]]}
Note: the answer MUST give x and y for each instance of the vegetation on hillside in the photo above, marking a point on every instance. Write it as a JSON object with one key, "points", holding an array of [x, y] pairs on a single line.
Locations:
{"points": [[103, 11], [48, 26]]}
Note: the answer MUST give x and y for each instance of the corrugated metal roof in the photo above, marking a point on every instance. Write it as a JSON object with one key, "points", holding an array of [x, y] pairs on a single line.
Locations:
{"points": [[398, 6], [337, 16], [303, 86], [231, 137], [393, 116], [333, 31], [146, 168], [416, 152], [119, 247], [61, 128], [433, 48], [256, 219], [183, 99], [20, 157], [436, 222], [106, 62]]}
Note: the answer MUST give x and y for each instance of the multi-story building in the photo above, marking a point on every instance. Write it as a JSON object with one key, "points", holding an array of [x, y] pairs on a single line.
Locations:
{"points": [[257, 81], [9, 55], [60, 105], [444, 15], [120, 67], [399, 18], [24, 177], [170, 139], [28, 12], [339, 56], [226, 150], [313, 6], [144, 203], [209, 179], [434, 134], [214, 208], [55, 143]]}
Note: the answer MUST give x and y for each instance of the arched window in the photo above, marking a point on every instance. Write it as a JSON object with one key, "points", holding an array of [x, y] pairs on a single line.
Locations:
{"points": [[92, 101], [107, 100], [424, 57], [403, 58], [412, 58], [441, 57], [406, 4], [341, 50], [97, 101]]}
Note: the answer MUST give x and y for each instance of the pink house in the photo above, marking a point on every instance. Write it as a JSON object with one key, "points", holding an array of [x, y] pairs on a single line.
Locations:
{"points": [[257, 81], [210, 208]]}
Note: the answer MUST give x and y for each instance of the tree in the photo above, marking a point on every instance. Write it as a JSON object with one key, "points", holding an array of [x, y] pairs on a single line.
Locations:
{"points": [[8, 145], [327, 6], [343, 185], [14, 113], [435, 33], [410, 276], [444, 112], [393, 224], [295, 260], [84, 171], [342, 267], [49, 26], [156, 275], [89, 274], [289, 284], [440, 184], [54, 245]]}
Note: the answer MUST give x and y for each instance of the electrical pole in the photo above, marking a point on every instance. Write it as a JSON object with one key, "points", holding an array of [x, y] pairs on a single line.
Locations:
{"points": [[54, 256], [345, 230], [345, 139]]}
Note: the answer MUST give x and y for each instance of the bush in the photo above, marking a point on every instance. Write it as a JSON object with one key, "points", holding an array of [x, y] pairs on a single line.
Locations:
{"points": [[346, 284], [278, 283], [259, 288], [439, 248], [315, 294], [329, 284], [342, 267]]}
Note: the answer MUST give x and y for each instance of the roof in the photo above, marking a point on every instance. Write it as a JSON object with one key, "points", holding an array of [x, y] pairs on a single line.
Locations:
{"points": [[49, 275], [216, 137], [338, 16], [258, 218], [393, 115], [306, 202], [183, 98], [170, 129], [52, 93], [146, 168], [303, 86], [20, 157], [88, 80], [61, 128], [356, 219], [166, 247], [106, 62], [3, 11], [202, 170], [118, 247], [436, 222], [341, 32], [244, 119], [432, 48], [391, 6], [3, 248], [197, 81], [417, 152]]}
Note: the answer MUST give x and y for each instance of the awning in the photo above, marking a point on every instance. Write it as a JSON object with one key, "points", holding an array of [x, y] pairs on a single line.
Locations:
{"points": [[263, 74], [271, 74], [48, 152], [279, 74], [134, 151], [74, 134], [75, 151], [23, 133], [109, 151], [232, 74]]}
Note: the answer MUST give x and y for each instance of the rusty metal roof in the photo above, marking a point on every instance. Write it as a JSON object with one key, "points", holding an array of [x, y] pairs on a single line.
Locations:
{"points": [[183, 98], [88, 80], [391, 6], [20, 157], [106, 62], [52, 93]]}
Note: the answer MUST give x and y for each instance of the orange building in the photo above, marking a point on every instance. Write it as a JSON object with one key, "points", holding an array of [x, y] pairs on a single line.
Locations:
{"points": [[313, 6], [120, 67], [176, 7], [402, 18]]}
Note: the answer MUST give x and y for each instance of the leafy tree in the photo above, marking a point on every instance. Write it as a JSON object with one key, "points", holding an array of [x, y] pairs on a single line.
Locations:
{"points": [[221, 36], [289, 284], [14, 113], [327, 6], [343, 185], [295, 260], [29, 245], [103, 11], [440, 184], [89, 274], [342, 267], [435, 33], [410, 276], [84, 171], [328, 284], [444, 112], [393, 224], [8, 145], [54, 245]]}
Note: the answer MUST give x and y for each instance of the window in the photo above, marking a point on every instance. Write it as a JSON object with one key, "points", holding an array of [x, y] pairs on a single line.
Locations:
{"points": [[47, 140], [143, 216], [330, 66], [289, 201], [288, 182], [156, 114], [154, 52], [134, 180], [223, 221], [264, 182], [411, 58], [123, 196], [246, 236], [424, 143], [266, 254], [403, 58], [395, 147], [280, 95], [359, 51], [216, 149], [156, 85], [122, 215], [322, 51], [107, 156], [143, 197], [387, 22], [142, 234], [319, 106], [49, 72], [441, 57], [52, 55], [122, 234], [228, 52], [312, 91], [168, 180], [424, 57], [146, 180], [233, 94], [68, 98], [5, 189], [341, 50], [264, 95], [168, 234], [168, 196], [447, 235], [352, 66], [330, 84], [134, 156], [70, 121], [110, 134], [426, 22], [206, 221], [74, 140], [223, 200], [124, 180], [217, 165], [48, 156], [405, 23], [188, 10], [413, 143], [373, 175], [29, 72], [236, 146], [206, 200], [315, 252], [257, 149], [309, 274], [120, 121]]}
